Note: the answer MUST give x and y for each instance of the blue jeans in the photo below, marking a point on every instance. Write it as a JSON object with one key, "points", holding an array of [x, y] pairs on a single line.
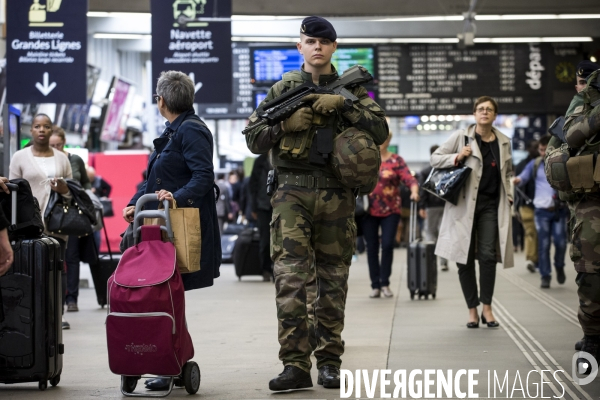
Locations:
{"points": [[551, 224], [380, 272]]}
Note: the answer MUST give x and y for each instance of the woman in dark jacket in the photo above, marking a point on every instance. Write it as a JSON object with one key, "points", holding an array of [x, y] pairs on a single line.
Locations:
{"points": [[181, 169]]}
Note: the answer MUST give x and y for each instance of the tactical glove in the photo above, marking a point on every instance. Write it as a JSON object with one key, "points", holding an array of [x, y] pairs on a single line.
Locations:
{"points": [[298, 121], [326, 103]]}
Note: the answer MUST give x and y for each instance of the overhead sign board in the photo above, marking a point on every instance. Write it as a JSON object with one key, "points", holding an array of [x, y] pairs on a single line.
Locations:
{"points": [[46, 51], [194, 37]]}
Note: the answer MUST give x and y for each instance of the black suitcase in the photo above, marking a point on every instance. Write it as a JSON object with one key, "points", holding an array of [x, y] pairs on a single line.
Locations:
{"points": [[245, 253], [103, 269], [422, 262], [31, 347]]}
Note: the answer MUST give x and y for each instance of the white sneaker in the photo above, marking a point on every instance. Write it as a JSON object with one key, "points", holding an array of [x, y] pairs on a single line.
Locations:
{"points": [[375, 293], [530, 266], [65, 324], [386, 291]]}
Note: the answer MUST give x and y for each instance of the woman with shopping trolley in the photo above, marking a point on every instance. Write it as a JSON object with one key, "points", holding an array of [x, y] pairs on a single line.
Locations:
{"points": [[180, 170]]}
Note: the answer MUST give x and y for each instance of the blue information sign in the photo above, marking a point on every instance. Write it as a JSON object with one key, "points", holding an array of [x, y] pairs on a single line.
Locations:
{"points": [[46, 51], [194, 37]]}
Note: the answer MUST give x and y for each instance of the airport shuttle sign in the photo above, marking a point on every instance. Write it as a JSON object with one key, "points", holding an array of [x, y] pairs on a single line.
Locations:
{"points": [[194, 36], [46, 51]]}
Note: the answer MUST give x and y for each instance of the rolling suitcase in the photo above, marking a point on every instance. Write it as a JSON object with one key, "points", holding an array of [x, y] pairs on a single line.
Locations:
{"points": [[245, 254], [31, 348], [422, 262], [103, 269]]}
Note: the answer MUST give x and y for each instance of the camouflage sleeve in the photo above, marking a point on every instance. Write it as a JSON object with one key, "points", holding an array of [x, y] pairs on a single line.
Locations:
{"points": [[581, 121], [582, 126], [262, 138], [368, 116]]}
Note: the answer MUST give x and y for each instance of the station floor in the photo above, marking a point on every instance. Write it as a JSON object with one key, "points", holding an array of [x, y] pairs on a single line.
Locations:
{"points": [[234, 328]]}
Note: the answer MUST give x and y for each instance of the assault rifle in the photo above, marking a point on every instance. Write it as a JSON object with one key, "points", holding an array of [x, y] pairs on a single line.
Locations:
{"points": [[279, 109]]}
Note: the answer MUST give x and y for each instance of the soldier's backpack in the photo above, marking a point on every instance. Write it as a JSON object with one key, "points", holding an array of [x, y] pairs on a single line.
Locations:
{"points": [[356, 160]]}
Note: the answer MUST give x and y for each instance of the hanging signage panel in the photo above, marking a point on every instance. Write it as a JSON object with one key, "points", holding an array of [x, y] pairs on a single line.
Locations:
{"points": [[46, 51], [194, 37]]}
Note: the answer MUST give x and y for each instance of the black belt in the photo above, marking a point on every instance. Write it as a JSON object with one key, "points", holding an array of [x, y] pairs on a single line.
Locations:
{"points": [[316, 180]]}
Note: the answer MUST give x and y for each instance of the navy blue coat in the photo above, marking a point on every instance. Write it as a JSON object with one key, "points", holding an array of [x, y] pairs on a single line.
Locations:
{"points": [[183, 165]]}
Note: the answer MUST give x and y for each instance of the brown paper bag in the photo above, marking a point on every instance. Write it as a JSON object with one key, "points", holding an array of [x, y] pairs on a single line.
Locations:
{"points": [[185, 223]]}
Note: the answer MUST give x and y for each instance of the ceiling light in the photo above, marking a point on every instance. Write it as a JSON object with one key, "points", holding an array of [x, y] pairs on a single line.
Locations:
{"points": [[127, 36], [489, 17], [533, 39], [592, 59], [425, 118], [433, 118], [441, 118], [102, 14]]}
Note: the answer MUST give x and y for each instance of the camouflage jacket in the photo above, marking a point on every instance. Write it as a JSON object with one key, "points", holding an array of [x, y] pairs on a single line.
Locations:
{"points": [[366, 116]]}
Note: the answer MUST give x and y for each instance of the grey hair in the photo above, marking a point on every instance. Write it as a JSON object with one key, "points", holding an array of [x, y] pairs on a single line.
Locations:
{"points": [[177, 91]]}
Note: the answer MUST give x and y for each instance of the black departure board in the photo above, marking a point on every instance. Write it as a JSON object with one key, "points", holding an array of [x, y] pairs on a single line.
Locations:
{"points": [[441, 78], [243, 104]]}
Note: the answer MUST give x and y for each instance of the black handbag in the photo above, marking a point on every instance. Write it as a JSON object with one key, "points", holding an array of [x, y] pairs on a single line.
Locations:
{"points": [[107, 207], [446, 183], [68, 219]]}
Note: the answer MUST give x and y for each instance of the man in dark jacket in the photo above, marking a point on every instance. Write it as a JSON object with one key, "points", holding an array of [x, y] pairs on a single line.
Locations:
{"points": [[431, 209], [261, 206]]}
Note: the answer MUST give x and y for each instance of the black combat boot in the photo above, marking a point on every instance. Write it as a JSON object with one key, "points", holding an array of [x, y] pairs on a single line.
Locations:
{"points": [[329, 377], [591, 345], [291, 378]]}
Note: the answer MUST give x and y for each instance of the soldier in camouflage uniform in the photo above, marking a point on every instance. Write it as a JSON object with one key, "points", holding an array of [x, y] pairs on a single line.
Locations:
{"points": [[580, 129], [313, 213]]}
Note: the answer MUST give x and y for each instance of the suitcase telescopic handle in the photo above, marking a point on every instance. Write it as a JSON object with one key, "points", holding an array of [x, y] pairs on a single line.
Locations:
{"points": [[139, 215], [412, 226], [14, 188]]}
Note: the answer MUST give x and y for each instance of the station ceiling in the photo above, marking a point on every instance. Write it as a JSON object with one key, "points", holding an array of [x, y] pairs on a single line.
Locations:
{"points": [[343, 8]]}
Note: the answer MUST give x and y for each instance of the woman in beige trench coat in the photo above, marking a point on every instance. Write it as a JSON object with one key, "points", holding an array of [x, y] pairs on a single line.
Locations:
{"points": [[479, 226]]}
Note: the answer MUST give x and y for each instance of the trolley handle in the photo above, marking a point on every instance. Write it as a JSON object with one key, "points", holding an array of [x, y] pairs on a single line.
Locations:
{"points": [[139, 215], [14, 188]]}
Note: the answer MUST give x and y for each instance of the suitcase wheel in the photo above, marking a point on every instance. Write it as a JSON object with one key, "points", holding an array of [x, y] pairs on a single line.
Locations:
{"points": [[43, 385], [128, 383], [191, 377], [54, 381]]}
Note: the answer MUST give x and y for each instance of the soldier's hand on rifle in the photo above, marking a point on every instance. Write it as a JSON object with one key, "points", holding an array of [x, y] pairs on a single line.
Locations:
{"points": [[298, 121], [326, 103]]}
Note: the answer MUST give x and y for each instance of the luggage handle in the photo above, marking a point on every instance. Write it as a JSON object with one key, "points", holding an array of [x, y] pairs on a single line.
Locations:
{"points": [[412, 226], [139, 215], [13, 211]]}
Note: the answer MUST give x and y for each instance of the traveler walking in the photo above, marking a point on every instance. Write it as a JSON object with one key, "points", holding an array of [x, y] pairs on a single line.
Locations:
{"points": [[482, 212], [524, 206], [385, 207], [180, 170], [550, 217], [74, 244], [46, 169]]}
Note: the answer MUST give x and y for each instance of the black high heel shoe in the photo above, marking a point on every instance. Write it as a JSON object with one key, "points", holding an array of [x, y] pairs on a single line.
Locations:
{"points": [[472, 325], [490, 324]]}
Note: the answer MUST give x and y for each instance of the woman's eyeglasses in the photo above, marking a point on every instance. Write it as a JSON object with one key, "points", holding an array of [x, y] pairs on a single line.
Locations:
{"points": [[156, 97]]}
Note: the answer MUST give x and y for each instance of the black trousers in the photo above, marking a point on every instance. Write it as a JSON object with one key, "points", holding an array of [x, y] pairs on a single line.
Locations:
{"points": [[484, 237], [264, 254], [72, 259]]}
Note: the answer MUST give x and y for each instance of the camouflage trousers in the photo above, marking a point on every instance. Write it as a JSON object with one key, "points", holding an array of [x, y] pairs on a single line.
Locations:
{"points": [[313, 233], [589, 302], [585, 241]]}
